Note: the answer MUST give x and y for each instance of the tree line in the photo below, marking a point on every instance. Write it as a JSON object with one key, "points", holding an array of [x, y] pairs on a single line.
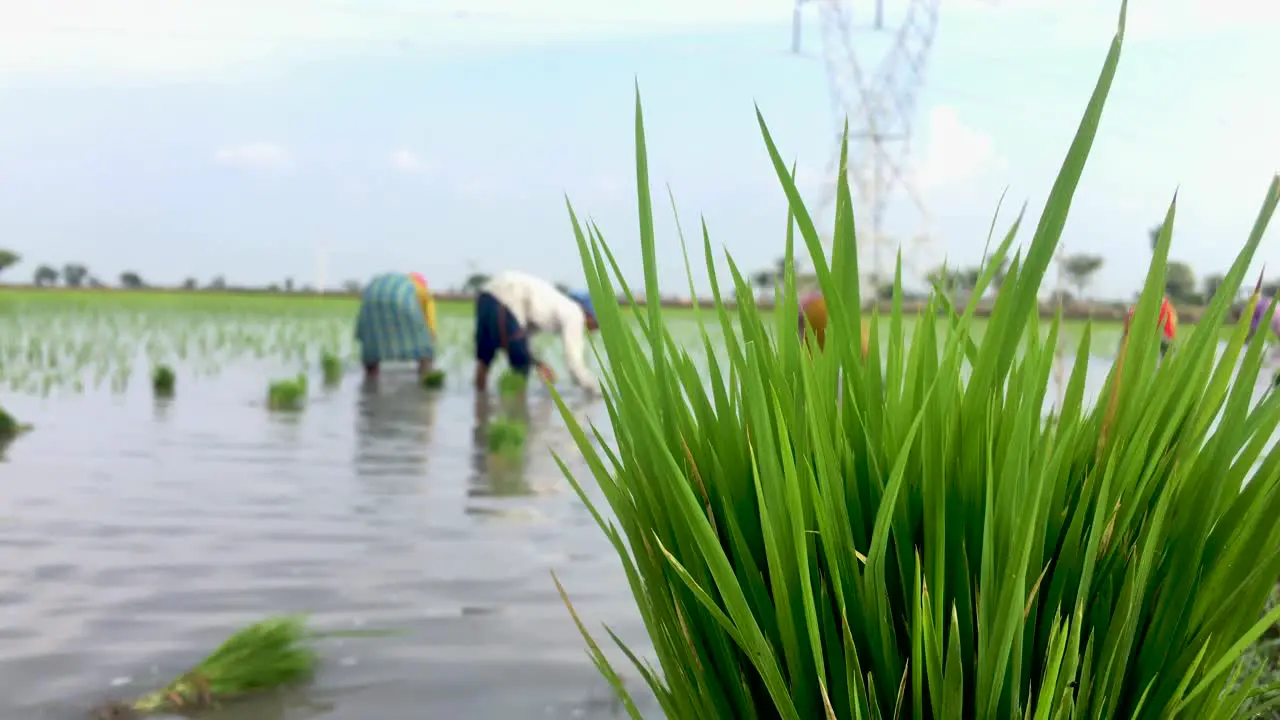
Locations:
{"points": [[1077, 271], [77, 275]]}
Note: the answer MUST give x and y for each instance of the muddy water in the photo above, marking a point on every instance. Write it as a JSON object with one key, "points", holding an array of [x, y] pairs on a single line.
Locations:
{"points": [[135, 535]]}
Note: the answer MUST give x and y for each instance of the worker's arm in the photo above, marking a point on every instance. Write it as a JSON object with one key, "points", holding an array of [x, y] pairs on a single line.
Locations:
{"points": [[573, 332]]}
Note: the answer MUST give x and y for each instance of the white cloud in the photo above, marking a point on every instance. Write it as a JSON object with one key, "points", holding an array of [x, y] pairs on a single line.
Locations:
{"points": [[953, 151], [407, 161], [258, 156]]}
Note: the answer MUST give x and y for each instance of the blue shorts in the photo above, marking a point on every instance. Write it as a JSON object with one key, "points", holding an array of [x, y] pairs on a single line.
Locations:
{"points": [[497, 329]]}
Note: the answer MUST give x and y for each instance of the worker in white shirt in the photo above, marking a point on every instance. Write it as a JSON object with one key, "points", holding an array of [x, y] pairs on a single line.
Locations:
{"points": [[512, 306]]}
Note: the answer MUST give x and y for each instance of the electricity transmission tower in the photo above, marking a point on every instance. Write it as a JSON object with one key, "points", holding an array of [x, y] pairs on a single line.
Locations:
{"points": [[879, 105]]}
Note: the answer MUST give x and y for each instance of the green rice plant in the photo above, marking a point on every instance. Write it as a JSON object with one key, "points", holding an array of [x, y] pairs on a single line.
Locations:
{"points": [[512, 384], [163, 380], [506, 436], [433, 380], [289, 394], [823, 535], [331, 368]]}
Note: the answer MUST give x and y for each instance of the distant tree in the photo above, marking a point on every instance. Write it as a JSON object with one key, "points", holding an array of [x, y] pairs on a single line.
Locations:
{"points": [[8, 259], [474, 282], [94, 282], [190, 284], [763, 279], [1211, 284], [351, 286], [45, 276], [1080, 270], [218, 283], [273, 287], [288, 285], [1180, 283], [74, 274], [1154, 235], [131, 280], [942, 277], [1002, 272]]}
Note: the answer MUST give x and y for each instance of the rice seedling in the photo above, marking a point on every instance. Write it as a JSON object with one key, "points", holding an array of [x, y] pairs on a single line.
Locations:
{"points": [[823, 535], [270, 654], [287, 394], [433, 380], [512, 384], [331, 368], [163, 380], [506, 436]]}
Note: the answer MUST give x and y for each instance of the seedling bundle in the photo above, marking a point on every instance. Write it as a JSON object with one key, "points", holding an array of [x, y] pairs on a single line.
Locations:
{"points": [[903, 535]]}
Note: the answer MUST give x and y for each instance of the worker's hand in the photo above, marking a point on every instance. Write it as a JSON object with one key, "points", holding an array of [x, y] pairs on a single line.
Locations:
{"points": [[546, 373]]}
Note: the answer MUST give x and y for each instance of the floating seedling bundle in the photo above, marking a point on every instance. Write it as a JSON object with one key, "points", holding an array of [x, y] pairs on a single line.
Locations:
{"points": [[163, 381], [331, 368], [433, 380], [512, 384], [268, 655], [823, 535], [290, 394], [10, 428]]}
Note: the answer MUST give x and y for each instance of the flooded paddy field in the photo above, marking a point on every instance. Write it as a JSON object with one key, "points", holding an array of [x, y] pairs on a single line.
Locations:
{"points": [[137, 532]]}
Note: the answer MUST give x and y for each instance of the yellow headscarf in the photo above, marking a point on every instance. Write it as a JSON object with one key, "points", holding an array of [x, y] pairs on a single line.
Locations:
{"points": [[428, 302]]}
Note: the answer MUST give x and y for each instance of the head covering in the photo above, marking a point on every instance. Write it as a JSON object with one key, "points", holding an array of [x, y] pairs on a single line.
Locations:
{"points": [[424, 297], [583, 298], [1259, 313], [1168, 320]]}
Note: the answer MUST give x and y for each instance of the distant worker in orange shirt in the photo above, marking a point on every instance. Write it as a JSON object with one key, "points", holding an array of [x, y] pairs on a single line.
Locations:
{"points": [[813, 314], [1168, 324]]}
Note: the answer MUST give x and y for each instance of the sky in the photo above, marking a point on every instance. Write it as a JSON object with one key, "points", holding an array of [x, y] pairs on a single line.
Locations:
{"points": [[329, 140]]}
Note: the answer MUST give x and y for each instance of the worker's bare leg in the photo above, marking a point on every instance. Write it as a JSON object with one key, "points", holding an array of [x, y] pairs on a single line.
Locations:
{"points": [[482, 376]]}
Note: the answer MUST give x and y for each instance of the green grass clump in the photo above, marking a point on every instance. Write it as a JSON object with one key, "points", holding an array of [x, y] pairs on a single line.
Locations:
{"points": [[331, 368], [163, 380], [288, 394], [433, 380], [506, 436], [904, 536], [512, 384]]}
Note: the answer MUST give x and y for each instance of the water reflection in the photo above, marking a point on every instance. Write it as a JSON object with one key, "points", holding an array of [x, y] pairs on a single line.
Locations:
{"points": [[498, 474], [395, 420], [161, 408]]}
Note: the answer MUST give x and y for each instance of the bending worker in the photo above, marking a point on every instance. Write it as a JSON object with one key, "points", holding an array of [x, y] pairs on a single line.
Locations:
{"points": [[511, 307], [397, 322]]}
